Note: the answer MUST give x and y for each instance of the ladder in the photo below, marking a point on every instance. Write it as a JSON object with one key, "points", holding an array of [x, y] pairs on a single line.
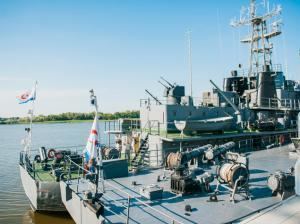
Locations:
{"points": [[139, 159]]}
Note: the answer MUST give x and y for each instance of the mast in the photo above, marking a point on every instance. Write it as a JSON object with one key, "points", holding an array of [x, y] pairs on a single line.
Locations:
{"points": [[190, 60], [262, 29], [28, 143], [94, 102]]}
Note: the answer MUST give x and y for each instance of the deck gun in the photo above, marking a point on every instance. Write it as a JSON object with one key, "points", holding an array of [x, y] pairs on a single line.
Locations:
{"points": [[237, 111], [153, 97]]}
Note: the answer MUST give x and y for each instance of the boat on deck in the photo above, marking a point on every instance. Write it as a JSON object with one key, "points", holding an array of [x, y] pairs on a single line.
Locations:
{"points": [[206, 125]]}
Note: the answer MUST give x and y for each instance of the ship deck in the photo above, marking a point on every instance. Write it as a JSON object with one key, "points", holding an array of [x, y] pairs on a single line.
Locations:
{"points": [[287, 212], [47, 176], [171, 208], [177, 137]]}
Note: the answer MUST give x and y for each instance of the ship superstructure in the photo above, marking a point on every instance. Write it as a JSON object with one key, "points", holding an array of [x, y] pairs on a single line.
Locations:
{"points": [[255, 103]]}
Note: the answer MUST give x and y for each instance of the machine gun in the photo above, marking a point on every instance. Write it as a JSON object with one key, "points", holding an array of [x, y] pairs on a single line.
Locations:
{"points": [[153, 97]]}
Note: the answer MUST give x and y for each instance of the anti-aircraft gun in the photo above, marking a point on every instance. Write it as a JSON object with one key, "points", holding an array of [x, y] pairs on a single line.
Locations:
{"points": [[182, 180], [172, 92]]}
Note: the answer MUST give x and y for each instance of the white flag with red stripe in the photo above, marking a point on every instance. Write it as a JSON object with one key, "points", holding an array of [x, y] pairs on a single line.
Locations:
{"points": [[90, 151]]}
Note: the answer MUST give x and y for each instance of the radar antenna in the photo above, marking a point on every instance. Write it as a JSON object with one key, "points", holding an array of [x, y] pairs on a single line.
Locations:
{"points": [[260, 34]]}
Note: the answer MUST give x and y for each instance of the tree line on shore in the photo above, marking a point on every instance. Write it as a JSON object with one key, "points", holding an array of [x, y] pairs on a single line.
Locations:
{"points": [[71, 116]]}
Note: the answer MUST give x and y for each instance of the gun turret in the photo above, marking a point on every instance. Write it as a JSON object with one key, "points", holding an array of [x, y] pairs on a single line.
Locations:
{"points": [[153, 97]]}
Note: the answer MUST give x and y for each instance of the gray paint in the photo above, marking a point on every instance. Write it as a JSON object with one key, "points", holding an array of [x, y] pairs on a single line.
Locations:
{"points": [[43, 196], [76, 207]]}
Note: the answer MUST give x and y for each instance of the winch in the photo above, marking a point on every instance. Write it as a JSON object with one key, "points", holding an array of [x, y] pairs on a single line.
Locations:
{"points": [[233, 175], [282, 183], [183, 182]]}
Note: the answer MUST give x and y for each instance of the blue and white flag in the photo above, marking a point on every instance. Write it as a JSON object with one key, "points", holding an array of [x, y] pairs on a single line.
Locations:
{"points": [[90, 150], [27, 96]]}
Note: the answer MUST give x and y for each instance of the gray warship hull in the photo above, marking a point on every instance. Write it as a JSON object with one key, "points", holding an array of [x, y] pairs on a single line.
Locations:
{"points": [[79, 209], [43, 196]]}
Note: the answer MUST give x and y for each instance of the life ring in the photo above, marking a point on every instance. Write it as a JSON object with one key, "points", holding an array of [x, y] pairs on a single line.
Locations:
{"points": [[51, 153]]}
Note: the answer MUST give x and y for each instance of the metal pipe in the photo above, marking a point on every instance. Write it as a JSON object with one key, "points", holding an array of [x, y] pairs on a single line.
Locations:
{"points": [[299, 125], [128, 201]]}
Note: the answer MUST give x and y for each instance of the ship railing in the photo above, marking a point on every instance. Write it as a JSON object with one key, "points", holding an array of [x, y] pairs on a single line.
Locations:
{"points": [[149, 102], [255, 70], [128, 197], [247, 144], [197, 101], [152, 127], [27, 159], [275, 103], [122, 125]]}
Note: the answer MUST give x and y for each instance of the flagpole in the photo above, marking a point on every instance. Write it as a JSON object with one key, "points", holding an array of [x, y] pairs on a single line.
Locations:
{"points": [[100, 165], [31, 112]]}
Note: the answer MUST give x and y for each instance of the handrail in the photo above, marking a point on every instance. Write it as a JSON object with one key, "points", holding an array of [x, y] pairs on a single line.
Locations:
{"points": [[60, 147], [149, 125], [129, 196], [145, 204]]}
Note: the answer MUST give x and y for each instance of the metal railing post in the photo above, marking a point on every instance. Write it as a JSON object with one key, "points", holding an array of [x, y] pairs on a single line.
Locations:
{"points": [[128, 201], [33, 168]]}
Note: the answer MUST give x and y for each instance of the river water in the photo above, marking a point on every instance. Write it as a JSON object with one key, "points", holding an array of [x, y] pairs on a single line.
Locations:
{"points": [[14, 205]]}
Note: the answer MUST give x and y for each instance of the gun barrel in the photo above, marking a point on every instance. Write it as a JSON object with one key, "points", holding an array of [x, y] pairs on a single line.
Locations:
{"points": [[163, 85], [211, 153], [175, 160], [153, 97], [172, 86]]}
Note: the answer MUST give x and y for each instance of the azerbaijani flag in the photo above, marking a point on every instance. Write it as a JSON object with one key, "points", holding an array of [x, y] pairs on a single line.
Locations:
{"points": [[27, 96], [90, 151]]}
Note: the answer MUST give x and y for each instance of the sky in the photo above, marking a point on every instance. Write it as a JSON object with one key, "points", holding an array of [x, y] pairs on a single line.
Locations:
{"points": [[121, 47]]}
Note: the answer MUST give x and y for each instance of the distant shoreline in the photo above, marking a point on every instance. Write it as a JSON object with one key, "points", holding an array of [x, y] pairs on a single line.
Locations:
{"points": [[70, 118], [52, 122]]}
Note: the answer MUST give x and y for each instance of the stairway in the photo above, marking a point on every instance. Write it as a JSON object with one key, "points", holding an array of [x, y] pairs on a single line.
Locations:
{"points": [[142, 158]]}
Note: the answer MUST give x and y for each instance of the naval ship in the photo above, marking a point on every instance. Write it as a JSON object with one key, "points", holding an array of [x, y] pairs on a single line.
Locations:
{"points": [[226, 159]]}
